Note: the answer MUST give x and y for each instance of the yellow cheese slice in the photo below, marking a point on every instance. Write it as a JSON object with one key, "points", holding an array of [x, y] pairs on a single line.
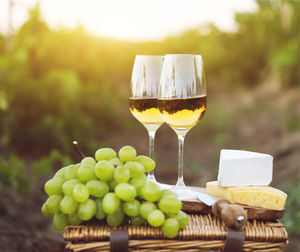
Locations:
{"points": [[258, 196]]}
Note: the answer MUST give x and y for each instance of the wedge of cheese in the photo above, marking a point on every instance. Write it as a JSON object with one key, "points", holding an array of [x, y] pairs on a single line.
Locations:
{"points": [[257, 196], [244, 168]]}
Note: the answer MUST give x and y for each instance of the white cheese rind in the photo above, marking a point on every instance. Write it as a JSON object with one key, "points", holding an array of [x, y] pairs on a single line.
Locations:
{"points": [[244, 168]]}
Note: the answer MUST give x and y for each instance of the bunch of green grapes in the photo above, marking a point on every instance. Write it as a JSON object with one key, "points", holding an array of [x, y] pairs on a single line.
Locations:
{"points": [[115, 189]]}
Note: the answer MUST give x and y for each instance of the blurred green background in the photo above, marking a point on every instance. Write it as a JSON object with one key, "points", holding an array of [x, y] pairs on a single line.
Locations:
{"points": [[60, 85]]}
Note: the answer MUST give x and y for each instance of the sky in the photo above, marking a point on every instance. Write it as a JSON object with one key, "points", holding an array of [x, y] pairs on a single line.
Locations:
{"points": [[130, 19]]}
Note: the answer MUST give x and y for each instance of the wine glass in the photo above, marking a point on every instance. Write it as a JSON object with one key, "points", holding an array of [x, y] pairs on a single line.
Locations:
{"points": [[182, 102], [143, 96]]}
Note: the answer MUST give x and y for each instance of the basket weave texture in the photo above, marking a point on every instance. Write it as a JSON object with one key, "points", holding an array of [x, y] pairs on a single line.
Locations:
{"points": [[203, 232]]}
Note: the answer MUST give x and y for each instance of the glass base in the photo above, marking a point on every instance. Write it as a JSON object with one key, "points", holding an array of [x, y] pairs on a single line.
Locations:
{"points": [[150, 177], [164, 186], [183, 193]]}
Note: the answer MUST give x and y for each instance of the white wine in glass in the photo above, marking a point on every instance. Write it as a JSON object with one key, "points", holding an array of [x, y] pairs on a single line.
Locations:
{"points": [[182, 102], [144, 96], [146, 112]]}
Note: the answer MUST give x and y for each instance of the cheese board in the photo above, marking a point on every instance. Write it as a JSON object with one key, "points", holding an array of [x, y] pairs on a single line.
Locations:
{"points": [[255, 213]]}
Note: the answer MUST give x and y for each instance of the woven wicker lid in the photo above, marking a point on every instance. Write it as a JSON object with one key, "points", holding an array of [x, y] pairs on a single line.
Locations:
{"points": [[201, 227]]}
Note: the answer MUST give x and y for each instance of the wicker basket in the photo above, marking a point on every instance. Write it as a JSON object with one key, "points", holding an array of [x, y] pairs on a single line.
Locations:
{"points": [[204, 232]]}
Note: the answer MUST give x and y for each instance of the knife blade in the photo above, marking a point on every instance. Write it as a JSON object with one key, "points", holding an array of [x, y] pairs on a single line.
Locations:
{"points": [[207, 199]]}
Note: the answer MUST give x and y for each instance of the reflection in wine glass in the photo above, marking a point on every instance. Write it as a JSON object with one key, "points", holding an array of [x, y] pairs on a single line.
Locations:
{"points": [[182, 102], [143, 96]]}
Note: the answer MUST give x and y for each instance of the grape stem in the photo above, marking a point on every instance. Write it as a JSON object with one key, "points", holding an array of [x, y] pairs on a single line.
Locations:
{"points": [[78, 151]]}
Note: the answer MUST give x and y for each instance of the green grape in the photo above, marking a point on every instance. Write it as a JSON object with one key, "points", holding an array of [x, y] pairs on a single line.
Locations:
{"points": [[60, 220], [97, 188], [100, 214], [182, 218], [68, 186], [148, 163], [54, 186], [127, 153], [116, 162], [170, 204], [125, 191], [60, 173], [80, 193], [137, 220], [116, 218], [68, 205], [112, 185], [104, 170], [52, 203], [88, 161], [170, 227], [132, 208], [110, 203], [167, 192], [121, 174], [70, 172], [156, 218], [138, 183], [60, 176], [74, 219], [151, 191], [87, 210], [105, 154], [45, 211], [86, 173], [135, 168], [146, 208]]}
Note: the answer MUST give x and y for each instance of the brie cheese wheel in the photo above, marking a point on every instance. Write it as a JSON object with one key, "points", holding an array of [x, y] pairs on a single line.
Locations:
{"points": [[244, 168]]}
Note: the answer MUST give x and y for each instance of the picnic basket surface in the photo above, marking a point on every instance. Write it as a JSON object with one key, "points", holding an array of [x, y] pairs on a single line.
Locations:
{"points": [[204, 232]]}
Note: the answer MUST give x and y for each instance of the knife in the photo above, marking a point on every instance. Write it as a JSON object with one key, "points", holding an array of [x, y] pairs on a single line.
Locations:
{"points": [[207, 199], [232, 215]]}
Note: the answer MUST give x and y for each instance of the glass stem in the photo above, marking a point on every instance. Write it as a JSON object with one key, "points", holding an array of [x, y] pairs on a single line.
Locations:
{"points": [[151, 153], [180, 183]]}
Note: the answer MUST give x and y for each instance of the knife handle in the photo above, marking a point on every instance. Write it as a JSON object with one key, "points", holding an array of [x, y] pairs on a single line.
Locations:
{"points": [[233, 216]]}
